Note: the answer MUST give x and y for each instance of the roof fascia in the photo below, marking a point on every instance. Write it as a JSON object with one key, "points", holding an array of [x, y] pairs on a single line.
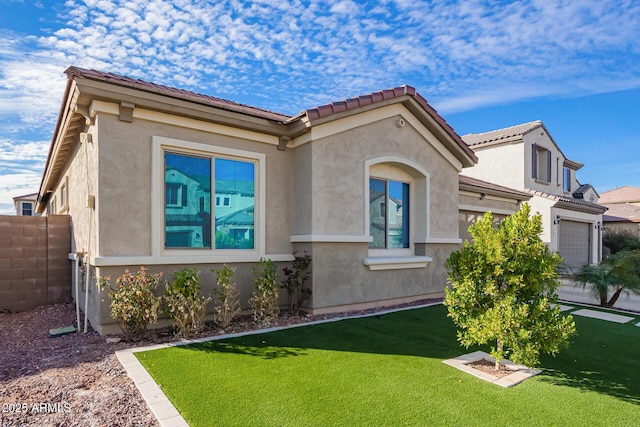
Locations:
{"points": [[443, 132], [65, 116], [98, 90], [519, 196]]}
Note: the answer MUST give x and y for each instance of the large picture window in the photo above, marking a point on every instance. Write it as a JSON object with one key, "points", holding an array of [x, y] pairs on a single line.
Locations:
{"points": [[189, 214], [388, 214]]}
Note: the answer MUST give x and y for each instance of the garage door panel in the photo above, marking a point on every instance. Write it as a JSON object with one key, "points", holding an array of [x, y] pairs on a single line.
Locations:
{"points": [[574, 243]]}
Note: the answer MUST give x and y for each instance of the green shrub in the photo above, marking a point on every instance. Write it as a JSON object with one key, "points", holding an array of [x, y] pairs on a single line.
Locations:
{"points": [[294, 283], [264, 301], [134, 304], [503, 290], [183, 303], [620, 240], [228, 296]]}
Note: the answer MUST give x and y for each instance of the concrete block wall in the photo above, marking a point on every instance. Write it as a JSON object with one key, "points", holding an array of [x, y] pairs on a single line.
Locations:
{"points": [[34, 261]]}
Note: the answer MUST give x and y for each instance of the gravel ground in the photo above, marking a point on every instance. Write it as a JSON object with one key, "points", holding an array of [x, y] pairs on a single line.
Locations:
{"points": [[76, 379]]}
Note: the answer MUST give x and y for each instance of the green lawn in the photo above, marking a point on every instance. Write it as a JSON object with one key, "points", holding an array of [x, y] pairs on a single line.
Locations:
{"points": [[388, 371]]}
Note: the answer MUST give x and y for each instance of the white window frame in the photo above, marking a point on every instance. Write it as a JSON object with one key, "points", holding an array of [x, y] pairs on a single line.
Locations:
{"points": [[30, 208], [160, 145], [388, 173]]}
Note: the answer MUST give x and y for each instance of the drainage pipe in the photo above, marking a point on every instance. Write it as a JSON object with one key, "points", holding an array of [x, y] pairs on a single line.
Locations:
{"points": [[77, 258], [86, 292]]}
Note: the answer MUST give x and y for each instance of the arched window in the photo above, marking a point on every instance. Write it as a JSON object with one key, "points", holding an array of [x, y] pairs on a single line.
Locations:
{"points": [[397, 206]]}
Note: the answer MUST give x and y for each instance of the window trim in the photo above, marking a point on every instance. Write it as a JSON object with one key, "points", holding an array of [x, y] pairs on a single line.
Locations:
{"points": [[160, 145], [566, 179], [534, 164], [31, 208], [419, 201]]}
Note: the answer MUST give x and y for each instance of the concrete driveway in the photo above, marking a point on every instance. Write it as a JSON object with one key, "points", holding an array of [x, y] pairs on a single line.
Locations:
{"points": [[569, 292]]}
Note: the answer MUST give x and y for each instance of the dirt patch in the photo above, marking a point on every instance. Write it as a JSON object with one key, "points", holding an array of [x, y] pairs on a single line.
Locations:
{"points": [[76, 379], [489, 367]]}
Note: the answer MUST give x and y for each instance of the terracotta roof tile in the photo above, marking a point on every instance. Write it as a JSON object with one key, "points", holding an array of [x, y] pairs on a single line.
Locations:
{"points": [[386, 94], [175, 93], [495, 135], [623, 212]]}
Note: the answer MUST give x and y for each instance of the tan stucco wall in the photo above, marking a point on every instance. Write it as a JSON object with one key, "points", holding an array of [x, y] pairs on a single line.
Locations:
{"points": [[338, 171], [125, 183], [317, 188], [340, 278]]}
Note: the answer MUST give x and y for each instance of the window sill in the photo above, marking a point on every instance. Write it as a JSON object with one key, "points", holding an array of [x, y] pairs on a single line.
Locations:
{"points": [[541, 181], [396, 262]]}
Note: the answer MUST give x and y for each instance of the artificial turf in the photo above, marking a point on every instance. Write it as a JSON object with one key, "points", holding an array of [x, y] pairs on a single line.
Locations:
{"points": [[388, 371]]}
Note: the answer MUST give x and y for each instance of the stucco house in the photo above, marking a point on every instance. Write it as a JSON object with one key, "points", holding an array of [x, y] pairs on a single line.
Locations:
{"points": [[526, 158], [25, 205], [161, 177], [624, 209]]}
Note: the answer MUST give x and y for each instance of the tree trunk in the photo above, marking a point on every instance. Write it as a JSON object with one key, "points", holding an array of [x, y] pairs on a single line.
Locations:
{"points": [[614, 298], [499, 345], [603, 298]]}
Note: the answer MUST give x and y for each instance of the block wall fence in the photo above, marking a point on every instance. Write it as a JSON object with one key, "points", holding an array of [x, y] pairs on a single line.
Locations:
{"points": [[34, 261]]}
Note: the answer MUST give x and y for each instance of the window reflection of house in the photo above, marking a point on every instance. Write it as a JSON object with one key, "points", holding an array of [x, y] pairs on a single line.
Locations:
{"points": [[187, 201]]}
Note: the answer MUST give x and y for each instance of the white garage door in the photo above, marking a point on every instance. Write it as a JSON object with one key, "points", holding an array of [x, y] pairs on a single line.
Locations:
{"points": [[574, 243]]}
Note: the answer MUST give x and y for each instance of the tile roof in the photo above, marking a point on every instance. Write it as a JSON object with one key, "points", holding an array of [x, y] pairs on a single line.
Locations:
{"points": [[464, 180], [477, 139], [624, 212], [579, 193], [621, 195], [569, 201], [186, 95], [383, 95], [243, 217], [474, 139], [312, 113]]}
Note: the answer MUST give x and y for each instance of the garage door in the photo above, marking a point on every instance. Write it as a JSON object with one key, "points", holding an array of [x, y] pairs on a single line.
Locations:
{"points": [[574, 243]]}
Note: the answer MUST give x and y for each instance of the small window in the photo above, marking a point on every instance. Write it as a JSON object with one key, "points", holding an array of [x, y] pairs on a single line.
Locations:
{"points": [[540, 163], [389, 214], [567, 179], [27, 208]]}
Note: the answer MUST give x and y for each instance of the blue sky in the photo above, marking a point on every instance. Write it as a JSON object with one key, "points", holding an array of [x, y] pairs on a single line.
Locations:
{"points": [[484, 65]]}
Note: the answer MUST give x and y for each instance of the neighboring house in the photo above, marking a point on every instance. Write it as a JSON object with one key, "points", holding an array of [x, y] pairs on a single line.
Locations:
{"points": [[525, 157], [624, 209], [368, 186], [477, 197], [25, 205]]}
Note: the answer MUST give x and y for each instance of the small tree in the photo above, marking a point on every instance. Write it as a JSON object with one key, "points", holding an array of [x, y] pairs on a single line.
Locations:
{"points": [[503, 290], [228, 296], [616, 274], [294, 283], [183, 302], [264, 300]]}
